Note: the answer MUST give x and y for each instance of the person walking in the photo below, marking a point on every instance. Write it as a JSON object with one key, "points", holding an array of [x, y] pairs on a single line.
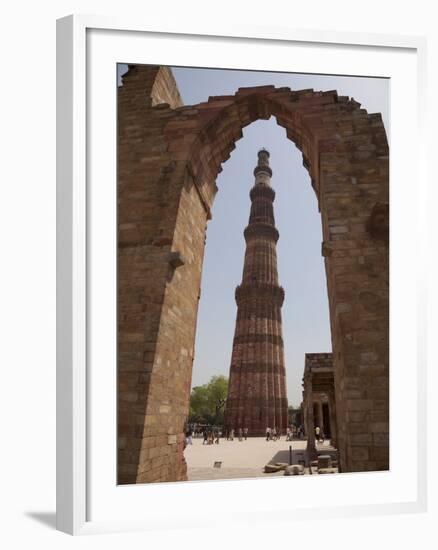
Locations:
{"points": [[189, 437], [268, 433], [274, 433], [217, 434], [205, 436], [240, 433], [245, 433], [232, 434], [317, 432]]}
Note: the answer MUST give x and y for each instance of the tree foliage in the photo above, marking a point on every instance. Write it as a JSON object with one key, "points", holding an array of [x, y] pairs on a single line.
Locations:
{"points": [[207, 402]]}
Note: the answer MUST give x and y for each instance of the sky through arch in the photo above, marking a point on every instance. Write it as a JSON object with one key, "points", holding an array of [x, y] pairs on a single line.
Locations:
{"points": [[300, 264]]}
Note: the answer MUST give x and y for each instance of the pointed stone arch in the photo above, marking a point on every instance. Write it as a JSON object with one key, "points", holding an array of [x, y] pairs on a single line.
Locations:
{"points": [[169, 159]]}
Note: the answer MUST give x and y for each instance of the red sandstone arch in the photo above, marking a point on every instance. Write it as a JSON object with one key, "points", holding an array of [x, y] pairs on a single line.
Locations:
{"points": [[169, 159]]}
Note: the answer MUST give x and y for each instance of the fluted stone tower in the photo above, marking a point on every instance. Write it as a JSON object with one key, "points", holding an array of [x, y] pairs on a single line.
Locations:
{"points": [[257, 387]]}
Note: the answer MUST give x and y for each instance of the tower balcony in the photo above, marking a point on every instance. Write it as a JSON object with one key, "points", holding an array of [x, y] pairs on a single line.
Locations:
{"points": [[264, 169], [257, 230], [256, 292]]}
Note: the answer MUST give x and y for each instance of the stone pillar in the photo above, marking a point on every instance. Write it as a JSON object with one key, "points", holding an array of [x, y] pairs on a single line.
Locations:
{"points": [[320, 415], [257, 387], [333, 423], [304, 411], [311, 447]]}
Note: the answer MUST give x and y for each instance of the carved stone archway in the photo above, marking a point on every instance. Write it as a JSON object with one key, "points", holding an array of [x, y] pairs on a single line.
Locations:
{"points": [[169, 156]]}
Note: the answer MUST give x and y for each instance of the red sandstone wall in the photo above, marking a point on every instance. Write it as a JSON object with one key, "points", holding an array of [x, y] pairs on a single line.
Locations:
{"points": [[154, 369], [165, 90]]}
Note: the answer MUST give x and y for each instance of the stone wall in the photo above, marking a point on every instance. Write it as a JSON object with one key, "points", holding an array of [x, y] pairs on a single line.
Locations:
{"points": [[164, 89], [319, 391], [158, 285], [315, 360]]}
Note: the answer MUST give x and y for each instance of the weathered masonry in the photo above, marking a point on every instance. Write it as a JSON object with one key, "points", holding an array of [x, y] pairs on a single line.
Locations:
{"points": [[257, 388], [319, 403], [169, 156]]}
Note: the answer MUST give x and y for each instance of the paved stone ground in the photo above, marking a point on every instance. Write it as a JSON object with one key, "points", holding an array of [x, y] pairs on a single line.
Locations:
{"points": [[241, 459]]}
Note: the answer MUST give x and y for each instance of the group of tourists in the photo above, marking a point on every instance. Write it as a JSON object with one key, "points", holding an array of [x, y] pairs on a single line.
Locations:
{"points": [[210, 437], [272, 434], [211, 434], [242, 434], [294, 432]]}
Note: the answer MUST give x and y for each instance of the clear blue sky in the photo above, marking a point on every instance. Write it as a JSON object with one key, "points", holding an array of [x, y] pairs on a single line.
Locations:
{"points": [[300, 264]]}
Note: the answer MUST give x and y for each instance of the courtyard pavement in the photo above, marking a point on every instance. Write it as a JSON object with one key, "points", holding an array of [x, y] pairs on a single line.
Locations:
{"points": [[241, 459]]}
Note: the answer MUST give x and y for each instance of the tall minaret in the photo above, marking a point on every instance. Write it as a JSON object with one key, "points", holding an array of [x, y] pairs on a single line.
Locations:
{"points": [[257, 387]]}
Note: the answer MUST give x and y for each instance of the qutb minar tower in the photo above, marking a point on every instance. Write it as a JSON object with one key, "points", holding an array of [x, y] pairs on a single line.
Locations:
{"points": [[257, 386]]}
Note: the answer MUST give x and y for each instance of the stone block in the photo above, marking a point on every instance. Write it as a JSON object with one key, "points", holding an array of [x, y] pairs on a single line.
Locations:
{"points": [[324, 461], [294, 470], [360, 453], [281, 465], [360, 439], [359, 404], [379, 427], [381, 439], [272, 468]]}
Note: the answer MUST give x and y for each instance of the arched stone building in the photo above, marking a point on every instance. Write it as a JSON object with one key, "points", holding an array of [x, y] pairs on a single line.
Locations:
{"points": [[169, 156]]}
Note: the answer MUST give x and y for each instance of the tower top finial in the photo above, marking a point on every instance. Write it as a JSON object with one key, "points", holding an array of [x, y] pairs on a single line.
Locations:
{"points": [[263, 151], [262, 166]]}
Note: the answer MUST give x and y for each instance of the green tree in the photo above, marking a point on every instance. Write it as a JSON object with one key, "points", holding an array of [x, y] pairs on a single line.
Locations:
{"points": [[207, 402], [295, 415], [199, 405]]}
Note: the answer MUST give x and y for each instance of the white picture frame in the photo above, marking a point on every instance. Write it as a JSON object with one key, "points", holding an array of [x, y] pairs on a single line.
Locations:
{"points": [[79, 38]]}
